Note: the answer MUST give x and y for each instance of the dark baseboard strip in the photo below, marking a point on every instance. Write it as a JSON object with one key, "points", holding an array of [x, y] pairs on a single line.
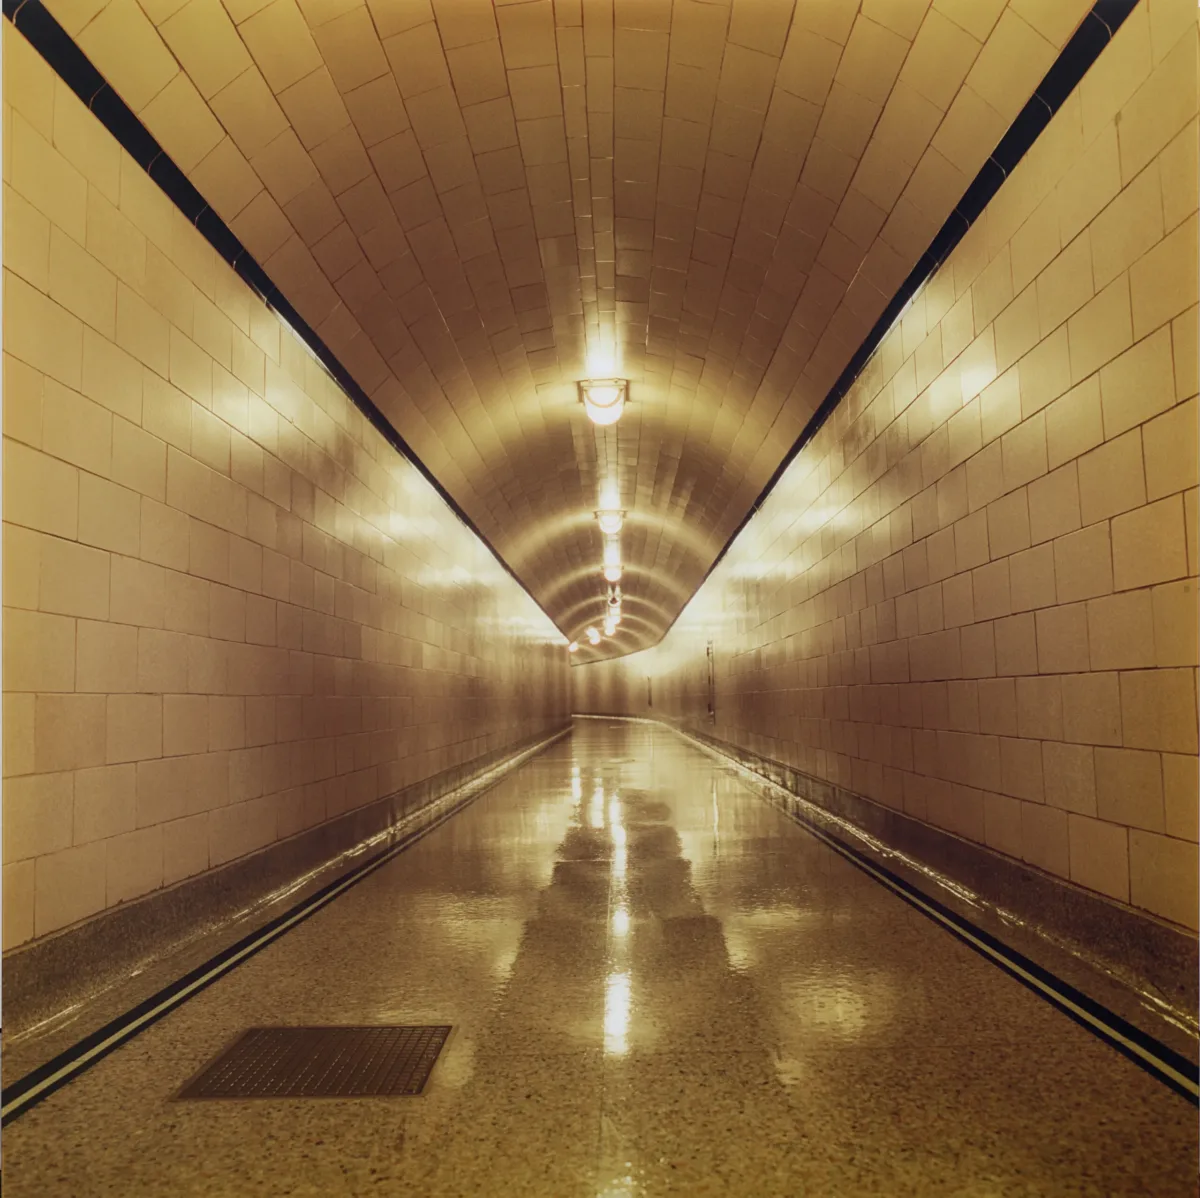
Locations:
{"points": [[75, 69], [26, 1092], [1096, 30], [57, 974], [1075, 59], [1169, 1067], [1154, 960], [1158, 1059]]}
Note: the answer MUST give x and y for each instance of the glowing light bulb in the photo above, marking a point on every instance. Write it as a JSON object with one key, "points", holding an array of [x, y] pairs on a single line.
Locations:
{"points": [[612, 573], [603, 400], [573, 647], [593, 636], [610, 521]]}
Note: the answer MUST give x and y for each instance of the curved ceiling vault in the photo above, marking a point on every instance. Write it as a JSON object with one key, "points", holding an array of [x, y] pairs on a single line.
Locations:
{"points": [[469, 202]]}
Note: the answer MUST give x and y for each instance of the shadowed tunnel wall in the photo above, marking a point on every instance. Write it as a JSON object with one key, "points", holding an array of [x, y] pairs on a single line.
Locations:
{"points": [[232, 612], [972, 597]]}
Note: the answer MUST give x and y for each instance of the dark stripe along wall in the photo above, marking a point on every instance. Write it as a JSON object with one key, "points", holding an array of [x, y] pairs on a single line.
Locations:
{"points": [[1096, 30]]}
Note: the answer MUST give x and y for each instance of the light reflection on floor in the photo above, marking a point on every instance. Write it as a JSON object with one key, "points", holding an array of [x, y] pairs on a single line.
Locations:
{"points": [[658, 985]]}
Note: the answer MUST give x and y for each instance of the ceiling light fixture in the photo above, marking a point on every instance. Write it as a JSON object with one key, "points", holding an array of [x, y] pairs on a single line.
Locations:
{"points": [[612, 560], [593, 636], [573, 647], [610, 520], [603, 399]]}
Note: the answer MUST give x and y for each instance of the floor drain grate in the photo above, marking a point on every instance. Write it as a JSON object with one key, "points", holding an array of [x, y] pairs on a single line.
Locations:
{"points": [[322, 1062]]}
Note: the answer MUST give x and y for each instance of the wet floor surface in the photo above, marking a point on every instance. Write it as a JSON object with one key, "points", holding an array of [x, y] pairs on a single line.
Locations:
{"points": [[658, 985]]}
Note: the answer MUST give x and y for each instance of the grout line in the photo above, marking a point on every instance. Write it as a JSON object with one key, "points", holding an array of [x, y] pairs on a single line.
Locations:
{"points": [[65, 58], [1074, 60], [71, 64], [43, 1081], [1156, 1058]]}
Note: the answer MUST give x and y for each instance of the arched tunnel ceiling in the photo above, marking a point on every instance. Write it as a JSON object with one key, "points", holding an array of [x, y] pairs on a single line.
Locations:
{"points": [[468, 200]]}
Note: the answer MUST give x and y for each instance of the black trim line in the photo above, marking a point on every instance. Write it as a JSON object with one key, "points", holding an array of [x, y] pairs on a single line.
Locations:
{"points": [[1082, 49], [26, 1092], [1157, 1059], [68, 61]]}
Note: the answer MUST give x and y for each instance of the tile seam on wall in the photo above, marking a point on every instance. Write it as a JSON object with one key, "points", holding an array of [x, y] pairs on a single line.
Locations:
{"points": [[1095, 31], [832, 803], [288, 632], [40, 1083], [35, 23], [398, 808], [1145, 1050], [1149, 1053], [842, 661], [71, 64]]}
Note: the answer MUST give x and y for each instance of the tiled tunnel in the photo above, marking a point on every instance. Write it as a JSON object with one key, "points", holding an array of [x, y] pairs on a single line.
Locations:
{"points": [[659, 536]]}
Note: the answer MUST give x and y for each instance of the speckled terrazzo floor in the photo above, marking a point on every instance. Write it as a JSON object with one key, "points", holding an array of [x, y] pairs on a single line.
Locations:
{"points": [[659, 985]]}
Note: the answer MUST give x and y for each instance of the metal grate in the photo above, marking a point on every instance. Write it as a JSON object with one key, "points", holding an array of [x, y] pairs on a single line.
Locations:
{"points": [[322, 1062]]}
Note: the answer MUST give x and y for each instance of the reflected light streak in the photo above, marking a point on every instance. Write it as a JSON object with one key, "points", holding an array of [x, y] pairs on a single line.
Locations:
{"points": [[655, 579], [976, 378], [620, 921], [619, 839], [739, 948], [596, 812], [404, 528], [839, 1006], [616, 1013], [503, 965], [653, 615]]}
